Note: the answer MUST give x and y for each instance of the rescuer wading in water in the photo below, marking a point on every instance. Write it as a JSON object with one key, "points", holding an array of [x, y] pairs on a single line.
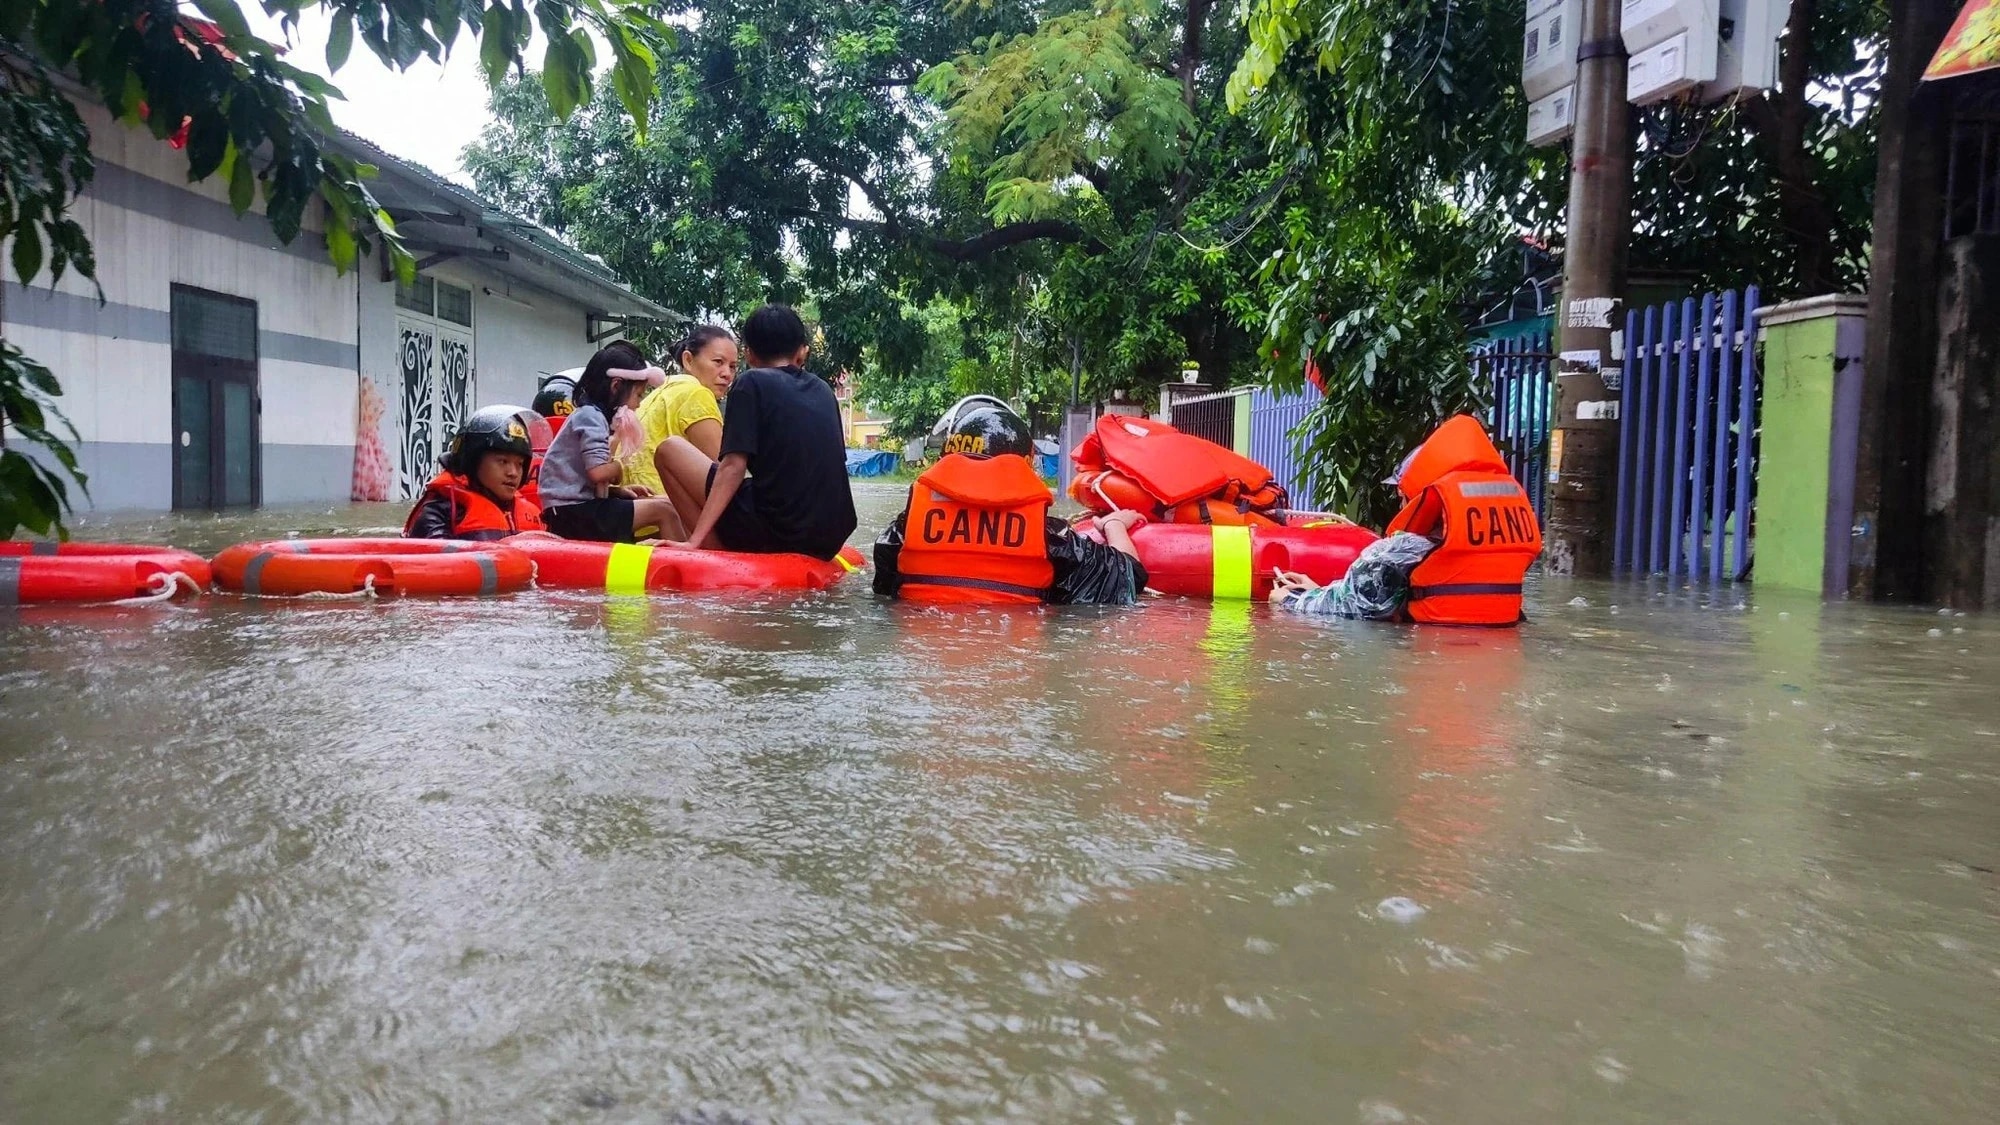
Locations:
{"points": [[977, 530]]}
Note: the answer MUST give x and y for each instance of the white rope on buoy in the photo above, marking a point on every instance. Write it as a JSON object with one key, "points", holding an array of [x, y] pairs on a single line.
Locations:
{"points": [[166, 584], [367, 590]]}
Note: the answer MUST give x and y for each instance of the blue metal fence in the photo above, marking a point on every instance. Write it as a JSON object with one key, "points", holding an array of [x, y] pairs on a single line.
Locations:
{"points": [[1520, 372], [1273, 417], [1687, 438]]}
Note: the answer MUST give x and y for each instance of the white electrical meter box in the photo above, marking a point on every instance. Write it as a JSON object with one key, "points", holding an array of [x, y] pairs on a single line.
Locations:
{"points": [[1746, 60], [1644, 23], [1550, 119], [1548, 47], [1665, 69]]}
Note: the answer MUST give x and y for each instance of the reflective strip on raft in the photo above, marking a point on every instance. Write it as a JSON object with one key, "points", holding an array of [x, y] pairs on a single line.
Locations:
{"points": [[10, 581], [625, 570], [844, 564], [958, 582], [1464, 589], [253, 572], [489, 574], [1230, 553]]}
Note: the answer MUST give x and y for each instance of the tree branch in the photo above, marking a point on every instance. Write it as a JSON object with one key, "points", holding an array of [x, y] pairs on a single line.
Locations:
{"points": [[1190, 60], [981, 245]]}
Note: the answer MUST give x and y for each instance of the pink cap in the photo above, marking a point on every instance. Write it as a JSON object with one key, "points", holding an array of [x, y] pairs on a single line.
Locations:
{"points": [[651, 376]]}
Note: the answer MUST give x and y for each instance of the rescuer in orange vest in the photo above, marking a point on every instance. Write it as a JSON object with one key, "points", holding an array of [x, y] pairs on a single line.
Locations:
{"points": [[977, 530], [1458, 491], [477, 495], [1458, 494]]}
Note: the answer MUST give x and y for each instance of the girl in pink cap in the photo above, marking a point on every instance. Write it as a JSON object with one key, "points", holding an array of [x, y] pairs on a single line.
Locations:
{"points": [[582, 493]]}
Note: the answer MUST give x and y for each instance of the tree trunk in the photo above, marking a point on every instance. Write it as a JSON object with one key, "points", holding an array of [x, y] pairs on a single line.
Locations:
{"points": [[1781, 119], [1888, 560]]}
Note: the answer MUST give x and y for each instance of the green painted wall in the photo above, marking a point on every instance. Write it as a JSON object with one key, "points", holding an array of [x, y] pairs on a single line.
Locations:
{"points": [[1792, 464], [1241, 440]]}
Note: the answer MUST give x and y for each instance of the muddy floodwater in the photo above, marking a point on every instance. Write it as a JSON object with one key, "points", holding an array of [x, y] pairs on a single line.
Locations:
{"points": [[1657, 856]]}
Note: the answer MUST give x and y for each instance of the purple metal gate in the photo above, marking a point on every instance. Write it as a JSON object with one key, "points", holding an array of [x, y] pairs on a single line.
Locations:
{"points": [[1520, 371], [1687, 438]]}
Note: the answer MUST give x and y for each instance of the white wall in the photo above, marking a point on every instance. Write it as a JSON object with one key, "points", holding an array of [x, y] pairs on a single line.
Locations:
{"points": [[152, 230]]}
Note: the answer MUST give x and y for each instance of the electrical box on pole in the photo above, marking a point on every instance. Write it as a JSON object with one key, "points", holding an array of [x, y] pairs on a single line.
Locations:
{"points": [[1747, 61], [1708, 50], [1673, 44], [1551, 119], [1548, 48]]}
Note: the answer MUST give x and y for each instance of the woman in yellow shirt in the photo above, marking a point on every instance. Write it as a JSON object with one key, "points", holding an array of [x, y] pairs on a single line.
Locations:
{"points": [[687, 404]]}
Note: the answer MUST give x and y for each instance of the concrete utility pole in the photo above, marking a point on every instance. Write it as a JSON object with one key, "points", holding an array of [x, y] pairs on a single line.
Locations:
{"points": [[1583, 453]]}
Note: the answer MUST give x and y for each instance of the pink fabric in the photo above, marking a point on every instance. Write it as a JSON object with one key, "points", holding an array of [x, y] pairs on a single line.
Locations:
{"points": [[628, 436], [651, 376], [371, 459]]}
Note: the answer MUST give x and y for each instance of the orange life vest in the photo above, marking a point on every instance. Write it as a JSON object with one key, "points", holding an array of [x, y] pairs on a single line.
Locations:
{"points": [[1458, 491], [975, 533], [474, 515], [531, 489]]}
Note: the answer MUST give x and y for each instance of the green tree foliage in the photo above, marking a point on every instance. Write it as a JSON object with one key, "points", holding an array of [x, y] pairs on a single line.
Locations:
{"points": [[1399, 124], [247, 116], [883, 158], [1776, 190], [1256, 187]]}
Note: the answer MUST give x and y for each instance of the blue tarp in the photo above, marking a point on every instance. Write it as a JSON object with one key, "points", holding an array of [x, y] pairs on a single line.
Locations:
{"points": [[1047, 464], [871, 462]]}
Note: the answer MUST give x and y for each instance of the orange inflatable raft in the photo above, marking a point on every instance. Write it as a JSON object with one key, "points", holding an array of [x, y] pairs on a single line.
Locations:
{"points": [[293, 567], [33, 573], [628, 568], [1222, 563]]}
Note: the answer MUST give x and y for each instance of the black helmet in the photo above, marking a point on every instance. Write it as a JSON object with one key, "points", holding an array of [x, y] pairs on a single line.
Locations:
{"points": [[502, 429], [988, 431], [557, 398]]}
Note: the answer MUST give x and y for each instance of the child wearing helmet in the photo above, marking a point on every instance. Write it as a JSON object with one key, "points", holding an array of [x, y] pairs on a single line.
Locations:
{"points": [[477, 492], [977, 530]]}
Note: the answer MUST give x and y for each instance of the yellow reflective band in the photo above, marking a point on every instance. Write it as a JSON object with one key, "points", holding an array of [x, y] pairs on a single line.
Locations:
{"points": [[1231, 553], [844, 564], [625, 573]]}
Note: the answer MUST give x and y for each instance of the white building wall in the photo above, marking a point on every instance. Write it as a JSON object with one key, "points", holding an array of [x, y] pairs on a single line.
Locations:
{"points": [[151, 231], [319, 333]]}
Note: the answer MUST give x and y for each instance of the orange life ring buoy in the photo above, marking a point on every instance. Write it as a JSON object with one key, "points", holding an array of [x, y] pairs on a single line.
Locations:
{"points": [[37, 572], [292, 567], [629, 568]]}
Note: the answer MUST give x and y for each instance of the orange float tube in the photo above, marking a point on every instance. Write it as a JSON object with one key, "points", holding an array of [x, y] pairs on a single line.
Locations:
{"points": [[1107, 490], [1222, 563], [34, 573], [426, 567], [631, 568]]}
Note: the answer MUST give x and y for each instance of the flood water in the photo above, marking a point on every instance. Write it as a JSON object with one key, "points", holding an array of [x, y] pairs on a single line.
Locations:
{"points": [[1656, 856]]}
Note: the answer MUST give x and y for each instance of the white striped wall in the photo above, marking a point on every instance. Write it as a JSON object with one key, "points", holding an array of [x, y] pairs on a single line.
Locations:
{"points": [[151, 231]]}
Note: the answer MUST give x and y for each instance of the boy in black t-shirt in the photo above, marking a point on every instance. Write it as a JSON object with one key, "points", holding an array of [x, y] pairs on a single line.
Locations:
{"points": [[781, 485]]}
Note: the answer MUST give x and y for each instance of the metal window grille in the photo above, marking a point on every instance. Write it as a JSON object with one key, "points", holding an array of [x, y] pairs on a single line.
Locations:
{"points": [[1972, 178], [454, 304]]}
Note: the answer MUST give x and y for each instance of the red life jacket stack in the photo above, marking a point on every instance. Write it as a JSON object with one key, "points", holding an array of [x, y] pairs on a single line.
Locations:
{"points": [[473, 514], [1171, 477], [976, 533], [1458, 491]]}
